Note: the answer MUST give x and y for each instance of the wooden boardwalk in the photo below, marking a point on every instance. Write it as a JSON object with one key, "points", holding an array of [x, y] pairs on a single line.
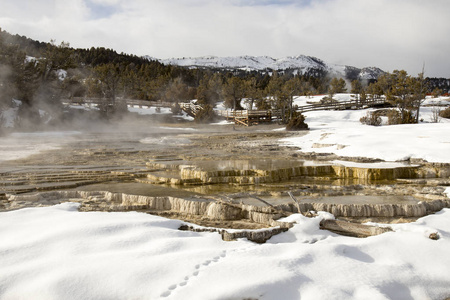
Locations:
{"points": [[134, 102], [241, 117], [249, 117], [190, 108]]}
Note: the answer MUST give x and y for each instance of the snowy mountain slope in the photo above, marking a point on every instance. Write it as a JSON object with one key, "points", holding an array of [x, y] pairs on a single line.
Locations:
{"points": [[302, 63]]}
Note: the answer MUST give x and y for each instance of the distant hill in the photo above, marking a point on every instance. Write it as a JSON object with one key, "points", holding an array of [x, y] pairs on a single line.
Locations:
{"points": [[239, 65], [307, 65]]}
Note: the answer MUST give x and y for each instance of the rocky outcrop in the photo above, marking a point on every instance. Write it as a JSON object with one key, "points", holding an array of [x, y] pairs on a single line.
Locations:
{"points": [[220, 210], [107, 201], [257, 236], [195, 174], [376, 173], [372, 210], [352, 229]]}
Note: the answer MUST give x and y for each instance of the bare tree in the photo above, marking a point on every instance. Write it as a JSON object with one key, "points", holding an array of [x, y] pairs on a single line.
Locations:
{"points": [[435, 114]]}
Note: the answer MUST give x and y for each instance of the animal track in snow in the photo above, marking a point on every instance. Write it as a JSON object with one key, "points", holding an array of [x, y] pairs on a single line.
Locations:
{"points": [[197, 269]]}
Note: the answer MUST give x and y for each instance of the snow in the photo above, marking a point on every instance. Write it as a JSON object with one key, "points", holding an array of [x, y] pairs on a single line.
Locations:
{"points": [[429, 100], [86, 107], [150, 110], [59, 253], [342, 133], [305, 100], [223, 122], [377, 165]]}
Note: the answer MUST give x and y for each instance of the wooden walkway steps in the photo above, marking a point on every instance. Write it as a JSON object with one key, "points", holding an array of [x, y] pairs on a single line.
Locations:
{"points": [[190, 108]]}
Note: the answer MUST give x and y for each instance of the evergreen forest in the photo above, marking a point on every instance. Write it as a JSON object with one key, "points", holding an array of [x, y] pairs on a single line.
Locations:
{"points": [[42, 74]]}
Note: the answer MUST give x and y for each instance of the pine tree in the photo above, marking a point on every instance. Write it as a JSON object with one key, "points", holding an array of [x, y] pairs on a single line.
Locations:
{"points": [[234, 91], [357, 89], [108, 77], [176, 91], [291, 88], [252, 92], [336, 86]]}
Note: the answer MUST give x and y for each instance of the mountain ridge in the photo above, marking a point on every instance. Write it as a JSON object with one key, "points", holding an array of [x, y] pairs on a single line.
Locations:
{"points": [[301, 64]]}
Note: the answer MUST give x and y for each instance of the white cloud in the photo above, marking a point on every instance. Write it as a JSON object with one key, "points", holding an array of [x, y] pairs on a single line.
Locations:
{"points": [[391, 34]]}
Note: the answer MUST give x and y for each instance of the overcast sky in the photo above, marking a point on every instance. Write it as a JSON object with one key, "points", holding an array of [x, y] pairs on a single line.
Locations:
{"points": [[390, 34]]}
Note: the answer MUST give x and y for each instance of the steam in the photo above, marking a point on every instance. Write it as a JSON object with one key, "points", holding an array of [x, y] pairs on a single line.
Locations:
{"points": [[20, 144], [5, 73]]}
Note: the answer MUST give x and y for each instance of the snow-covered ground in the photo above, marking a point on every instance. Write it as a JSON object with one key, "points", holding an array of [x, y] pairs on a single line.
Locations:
{"points": [[342, 133], [149, 110], [59, 253]]}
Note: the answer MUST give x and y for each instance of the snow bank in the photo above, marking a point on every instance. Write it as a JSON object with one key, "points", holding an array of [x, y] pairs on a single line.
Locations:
{"points": [[60, 253], [436, 101], [151, 110], [305, 100]]}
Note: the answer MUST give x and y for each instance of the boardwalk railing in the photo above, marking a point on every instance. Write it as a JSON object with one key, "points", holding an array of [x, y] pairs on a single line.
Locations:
{"points": [[336, 105], [243, 117]]}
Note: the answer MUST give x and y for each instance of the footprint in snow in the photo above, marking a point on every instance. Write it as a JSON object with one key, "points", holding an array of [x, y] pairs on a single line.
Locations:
{"points": [[198, 268]]}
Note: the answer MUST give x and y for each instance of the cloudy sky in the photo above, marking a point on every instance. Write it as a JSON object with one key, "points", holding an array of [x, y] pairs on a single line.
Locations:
{"points": [[390, 34]]}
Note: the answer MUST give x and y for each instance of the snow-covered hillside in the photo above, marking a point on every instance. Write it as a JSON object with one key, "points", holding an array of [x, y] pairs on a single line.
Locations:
{"points": [[301, 63]]}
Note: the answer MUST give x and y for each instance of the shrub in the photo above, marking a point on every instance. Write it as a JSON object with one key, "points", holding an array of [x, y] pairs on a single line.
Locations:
{"points": [[409, 118], [371, 118], [445, 113], [176, 109], [206, 115], [297, 122], [394, 117]]}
